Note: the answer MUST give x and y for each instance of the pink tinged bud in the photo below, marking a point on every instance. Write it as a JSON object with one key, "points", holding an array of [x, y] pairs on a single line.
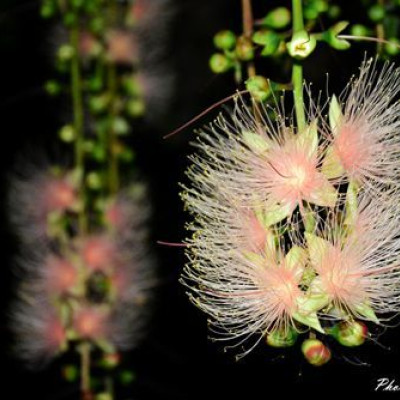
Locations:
{"points": [[99, 253], [350, 334], [122, 47], [90, 323], [110, 360], [88, 45], [315, 352], [60, 275]]}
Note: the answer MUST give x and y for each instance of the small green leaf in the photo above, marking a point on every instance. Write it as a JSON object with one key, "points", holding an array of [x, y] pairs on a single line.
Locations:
{"points": [[331, 166], [351, 203], [317, 248], [296, 257], [308, 138], [325, 195], [276, 213], [312, 302]]}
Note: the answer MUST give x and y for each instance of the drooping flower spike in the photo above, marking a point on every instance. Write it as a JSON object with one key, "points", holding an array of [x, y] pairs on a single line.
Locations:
{"points": [[364, 129]]}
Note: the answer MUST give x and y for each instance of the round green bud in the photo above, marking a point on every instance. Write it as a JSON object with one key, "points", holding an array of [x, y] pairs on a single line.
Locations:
{"points": [[259, 88], [94, 180], [244, 49], [126, 155], [392, 48], [219, 63], [70, 373], [99, 153], [98, 104], [135, 108], [359, 30], [120, 126], [376, 13], [77, 4], [48, 9], [67, 134], [65, 52], [350, 334], [282, 338], [301, 45], [334, 11], [315, 352], [225, 40], [110, 360], [70, 19], [96, 25], [53, 88], [321, 6], [278, 18], [126, 377]]}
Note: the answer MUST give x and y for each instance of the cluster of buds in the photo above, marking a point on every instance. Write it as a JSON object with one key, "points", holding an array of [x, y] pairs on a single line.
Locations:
{"points": [[296, 230], [78, 287]]}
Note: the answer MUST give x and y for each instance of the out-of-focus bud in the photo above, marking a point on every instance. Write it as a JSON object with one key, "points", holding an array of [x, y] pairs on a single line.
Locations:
{"points": [[301, 45], [277, 19], [110, 360], [98, 104], [48, 9], [259, 87], [334, 11], [135, 108], [225, 40], [350, 334], [282, 338], [392, 48], [219, 63], [376, 13], [126, 377], [65, 53], [70, 373], [103, 396], [359, 30], [94, 180], [53, 88], [315, 352], [67, 134], [120, 126], [244, 49]]}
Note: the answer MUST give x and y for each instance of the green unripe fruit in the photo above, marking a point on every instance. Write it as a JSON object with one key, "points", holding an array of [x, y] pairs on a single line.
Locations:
{"points": [[244, 49], [225, 40], [219, 63], [282, 338], [278, 18], [315, 352], [259, 88], [376, 13], [350, 334]]}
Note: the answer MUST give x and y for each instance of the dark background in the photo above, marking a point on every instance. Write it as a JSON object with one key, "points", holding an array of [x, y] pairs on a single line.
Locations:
{"points": [[176, 360]]}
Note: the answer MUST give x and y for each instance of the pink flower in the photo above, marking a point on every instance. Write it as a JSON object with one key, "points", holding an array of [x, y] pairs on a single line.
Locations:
{"points": [[364, 132], [91, 322], [99, 252], [59, 275]]}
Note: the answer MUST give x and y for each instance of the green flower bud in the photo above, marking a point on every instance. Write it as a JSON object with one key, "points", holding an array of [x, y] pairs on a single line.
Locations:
{"points": [[110, 360], [67, 134], [126, 377], [315, 352], [70, 19], [392, 48], [65, 52], [135, 108], [321, 6], [70, 373], [359, 30], [98, 104], [225, 40], [219, 63], [244, 49], [94, 180], [103, 396], [120, 126], [282, 338], [350, 334], [48, 9], [53, 88], [334, 11], [301, 45], [376, 13], [259, 88], [277, 19]]}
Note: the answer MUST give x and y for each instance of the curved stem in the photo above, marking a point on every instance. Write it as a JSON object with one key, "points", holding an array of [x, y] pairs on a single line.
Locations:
{"points": [[297, 72]]}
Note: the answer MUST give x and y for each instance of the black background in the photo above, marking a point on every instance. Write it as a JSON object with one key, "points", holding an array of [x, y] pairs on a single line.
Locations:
{"points": [[176, 360]]}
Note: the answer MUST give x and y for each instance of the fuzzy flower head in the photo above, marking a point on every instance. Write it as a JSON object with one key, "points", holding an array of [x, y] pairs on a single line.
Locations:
{"points": [[99, 252], [363, 131], [357, 261], [91, 322]]}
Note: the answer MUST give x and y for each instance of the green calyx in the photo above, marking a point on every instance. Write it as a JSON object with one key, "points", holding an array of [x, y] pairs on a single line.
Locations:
{"points": [[280, 338]]}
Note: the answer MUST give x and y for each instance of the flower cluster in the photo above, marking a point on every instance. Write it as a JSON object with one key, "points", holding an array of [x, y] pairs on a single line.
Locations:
{"points": [[78, 286], [298, 230]]}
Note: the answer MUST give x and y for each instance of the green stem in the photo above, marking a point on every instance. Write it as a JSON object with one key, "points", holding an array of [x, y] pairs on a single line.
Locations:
{"points": [[86, 392], [297, 72], [77, 102]]}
